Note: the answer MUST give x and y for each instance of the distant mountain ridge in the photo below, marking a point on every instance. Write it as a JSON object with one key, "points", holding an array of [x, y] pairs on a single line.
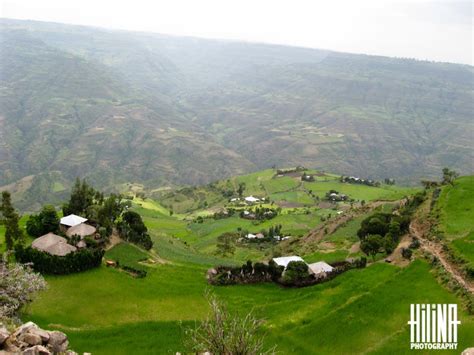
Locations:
{"points": [[117, 106]]}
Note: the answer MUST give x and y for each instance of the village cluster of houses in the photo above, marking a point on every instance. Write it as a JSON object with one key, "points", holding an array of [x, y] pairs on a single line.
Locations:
{"points": [[257, 236], [319, 269], [249, 200], [72, 226], [357, 180], [336, 196]]}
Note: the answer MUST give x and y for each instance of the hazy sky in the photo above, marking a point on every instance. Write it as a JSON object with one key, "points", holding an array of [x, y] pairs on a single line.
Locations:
{"points": [[434, 30]]}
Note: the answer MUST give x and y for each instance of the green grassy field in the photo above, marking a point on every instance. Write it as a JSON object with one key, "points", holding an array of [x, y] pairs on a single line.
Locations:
{"points": [[456, 214], [127, 254], [112, 313]]}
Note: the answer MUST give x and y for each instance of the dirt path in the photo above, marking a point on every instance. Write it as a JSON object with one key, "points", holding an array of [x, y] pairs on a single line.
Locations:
{"points": [[113, 241], [420, 230], [396, 258]]}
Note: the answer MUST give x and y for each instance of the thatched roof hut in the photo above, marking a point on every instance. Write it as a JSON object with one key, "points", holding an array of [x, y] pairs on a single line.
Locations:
{"points": [[53, 244], [82, 230]]}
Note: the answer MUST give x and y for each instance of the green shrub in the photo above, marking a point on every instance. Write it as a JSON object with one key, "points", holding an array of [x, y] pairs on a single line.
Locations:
{"points": [[295, 273]]}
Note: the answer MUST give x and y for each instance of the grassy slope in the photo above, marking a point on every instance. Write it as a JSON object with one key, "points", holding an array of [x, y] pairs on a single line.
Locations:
{"points": [[119, 314], [456, 208]]}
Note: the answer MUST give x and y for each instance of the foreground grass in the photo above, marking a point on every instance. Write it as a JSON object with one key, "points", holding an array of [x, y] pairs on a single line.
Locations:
{"points": [[113, 313]]}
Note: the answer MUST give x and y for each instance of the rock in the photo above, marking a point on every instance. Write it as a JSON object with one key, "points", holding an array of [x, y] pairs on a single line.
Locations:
{"points": [[37, 350], [468, 351], [24, 328], [70, 352], [41, 333], [58, 341], [10, 347], [4, 334], [30, 338]]}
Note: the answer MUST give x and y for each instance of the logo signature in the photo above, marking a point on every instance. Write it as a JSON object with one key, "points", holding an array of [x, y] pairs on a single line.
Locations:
{"points": [[433, 326]]}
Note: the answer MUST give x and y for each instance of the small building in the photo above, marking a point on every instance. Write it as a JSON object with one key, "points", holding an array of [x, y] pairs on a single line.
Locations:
{"points": [[259, 236], [53, 244], [250, 236], [251, 199], [285, 260], [82, 230], [320, 268], [71, 221]]}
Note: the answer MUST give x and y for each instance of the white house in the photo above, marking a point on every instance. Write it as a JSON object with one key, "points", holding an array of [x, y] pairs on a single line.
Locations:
{"points": [[251, 199], [72, 220], [285, 260], [320, 268], [250, 236]]}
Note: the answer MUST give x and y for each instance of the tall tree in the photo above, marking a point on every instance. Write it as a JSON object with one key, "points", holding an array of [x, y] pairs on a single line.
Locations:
{"points": [[10, 218], [372, 244], [241, 189], [82, 197]]}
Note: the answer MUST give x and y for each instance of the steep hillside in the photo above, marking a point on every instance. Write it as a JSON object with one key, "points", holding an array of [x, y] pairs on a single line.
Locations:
{"points": [[63, 113], [119, 106]]}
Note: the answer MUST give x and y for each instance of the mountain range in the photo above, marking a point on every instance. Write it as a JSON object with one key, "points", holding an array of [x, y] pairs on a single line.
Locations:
{"points": [[116, 106]]}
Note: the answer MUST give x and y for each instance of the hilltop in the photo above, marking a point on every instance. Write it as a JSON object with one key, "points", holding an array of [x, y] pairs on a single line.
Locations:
{"points": [[118, 107]]}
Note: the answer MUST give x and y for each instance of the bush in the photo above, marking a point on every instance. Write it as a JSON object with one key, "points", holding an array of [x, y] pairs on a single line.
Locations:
{"points": [[225, 333], [295, 273], [44, 222], [407, 253], [415, 244]]}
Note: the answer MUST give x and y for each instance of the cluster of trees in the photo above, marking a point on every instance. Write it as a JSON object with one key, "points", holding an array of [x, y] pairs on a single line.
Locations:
{"points": [[10, 218], [247, 273], [80, 260], [291, 170], [132, 229], [381, 231], [229, 212], [355, 180], [92, 204], [44, 222], [261, 213], [448, 178]]}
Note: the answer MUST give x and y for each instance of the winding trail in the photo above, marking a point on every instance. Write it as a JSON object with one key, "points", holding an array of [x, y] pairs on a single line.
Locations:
{"points": [[420, 230]]}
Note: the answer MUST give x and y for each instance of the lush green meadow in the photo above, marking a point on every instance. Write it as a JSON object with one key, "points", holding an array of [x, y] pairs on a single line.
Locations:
{"points": [[113, 313]]}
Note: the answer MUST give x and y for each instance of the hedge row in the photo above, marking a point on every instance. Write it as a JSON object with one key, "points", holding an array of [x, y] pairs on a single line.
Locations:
{"points": [[250, 273], [80, 260]]}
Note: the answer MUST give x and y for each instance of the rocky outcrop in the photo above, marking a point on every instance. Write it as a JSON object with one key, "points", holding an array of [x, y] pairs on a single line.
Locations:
{"points": [[29, 339]]}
